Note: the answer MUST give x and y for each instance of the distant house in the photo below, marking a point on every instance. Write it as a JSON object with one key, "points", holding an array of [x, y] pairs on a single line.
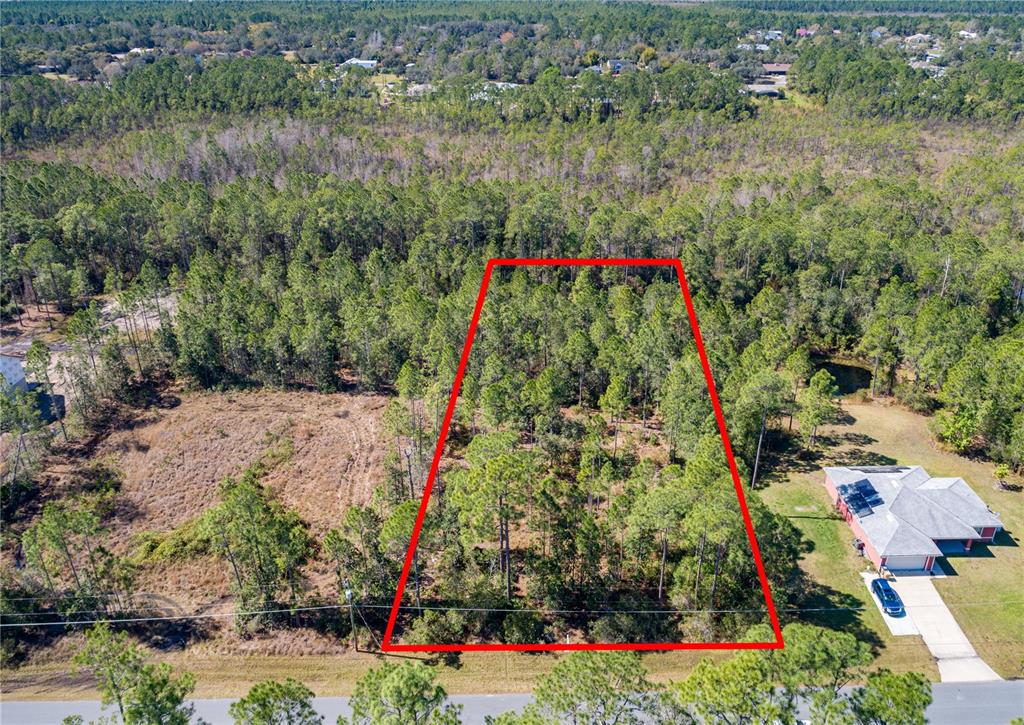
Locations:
{"points": [[933, 70], [619, 65], [776, 69], [773, 35], [12, 371], [968, 34], [47, 68], [489, 88], [918, 39], [905, 519], [767, 90], [367, 64]]}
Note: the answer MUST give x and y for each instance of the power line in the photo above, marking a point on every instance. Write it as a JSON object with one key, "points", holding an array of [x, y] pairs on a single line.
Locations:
{"points": [[179, 617], [228, 615], [542, 610]]}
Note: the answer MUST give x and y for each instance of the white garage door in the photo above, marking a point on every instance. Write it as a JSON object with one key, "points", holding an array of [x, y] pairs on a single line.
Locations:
{"points": [[903, 563]]}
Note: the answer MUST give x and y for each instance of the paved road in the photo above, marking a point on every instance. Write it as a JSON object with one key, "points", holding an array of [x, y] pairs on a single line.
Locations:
{"points": [[969, 703]]}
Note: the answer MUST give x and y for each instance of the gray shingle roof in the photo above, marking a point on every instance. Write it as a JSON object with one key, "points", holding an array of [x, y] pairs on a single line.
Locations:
{"points": [[912, 510]]}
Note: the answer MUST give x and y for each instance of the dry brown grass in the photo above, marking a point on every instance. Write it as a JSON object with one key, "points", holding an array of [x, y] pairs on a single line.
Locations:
{"points": [[329, 675], [172, 461]]}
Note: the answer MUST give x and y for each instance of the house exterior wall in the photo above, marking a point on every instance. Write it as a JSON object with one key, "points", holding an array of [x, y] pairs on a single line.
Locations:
{"points": [[869, 550], [831, 487]]}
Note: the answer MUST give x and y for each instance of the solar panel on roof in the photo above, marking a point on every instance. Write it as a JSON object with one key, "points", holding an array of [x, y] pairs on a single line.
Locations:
{"points": [[856, 501], [868, 493], [879, 469]]}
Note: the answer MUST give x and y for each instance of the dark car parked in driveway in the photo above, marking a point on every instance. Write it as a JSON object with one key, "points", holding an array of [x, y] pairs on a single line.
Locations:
{"points": [[891, 602]]}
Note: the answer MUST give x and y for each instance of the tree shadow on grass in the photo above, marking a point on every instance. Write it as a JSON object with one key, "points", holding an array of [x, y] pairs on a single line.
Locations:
{"points": [[861, 457], [857, 439], [830, 608], [819, 604], [173, 635], [780, 463]]}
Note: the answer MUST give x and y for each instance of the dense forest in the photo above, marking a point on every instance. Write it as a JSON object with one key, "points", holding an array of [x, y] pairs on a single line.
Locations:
{"points": [[602, 524], [266, 218]]}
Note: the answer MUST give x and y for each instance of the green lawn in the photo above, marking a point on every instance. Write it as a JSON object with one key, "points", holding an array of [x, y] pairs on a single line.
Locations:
{"points": [[987, 590]]}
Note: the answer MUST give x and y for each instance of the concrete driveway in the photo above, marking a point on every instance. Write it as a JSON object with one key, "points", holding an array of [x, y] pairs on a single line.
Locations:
{"points": [[956, 657], [897, 625]]}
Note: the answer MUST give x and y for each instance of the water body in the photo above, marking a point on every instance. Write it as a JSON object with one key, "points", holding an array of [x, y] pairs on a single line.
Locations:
{"points": [[850, 377]]}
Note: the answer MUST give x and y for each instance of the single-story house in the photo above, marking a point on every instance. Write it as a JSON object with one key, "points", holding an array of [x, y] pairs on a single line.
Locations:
{"points": [[776, 69], [12, 371], [359, 63], [619, 65], [905, 519]]}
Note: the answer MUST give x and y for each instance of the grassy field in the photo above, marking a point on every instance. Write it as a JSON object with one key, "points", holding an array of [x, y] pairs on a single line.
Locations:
{"points": [[232, 676], [986, 594]]}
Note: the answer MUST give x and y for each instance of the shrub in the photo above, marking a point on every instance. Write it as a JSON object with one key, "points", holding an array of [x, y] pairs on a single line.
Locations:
{"points": [[523, 627]]}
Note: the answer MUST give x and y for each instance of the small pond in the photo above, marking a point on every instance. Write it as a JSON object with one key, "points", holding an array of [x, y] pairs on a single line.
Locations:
{"points": [[849, 376]]}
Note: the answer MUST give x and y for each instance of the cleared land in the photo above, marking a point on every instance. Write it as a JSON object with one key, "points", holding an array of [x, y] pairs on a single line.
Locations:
{"points": [[170, 460]]}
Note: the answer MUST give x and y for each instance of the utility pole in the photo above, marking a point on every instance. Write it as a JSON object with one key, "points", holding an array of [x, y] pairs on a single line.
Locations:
{"points": [[351, 616]]}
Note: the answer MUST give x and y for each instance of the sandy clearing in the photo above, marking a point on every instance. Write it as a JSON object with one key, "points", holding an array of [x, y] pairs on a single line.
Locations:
{"points": [[172, 461]]}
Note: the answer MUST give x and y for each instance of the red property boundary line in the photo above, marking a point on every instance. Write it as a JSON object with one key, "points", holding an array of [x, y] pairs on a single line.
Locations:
{"points": [[388, 646]]}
